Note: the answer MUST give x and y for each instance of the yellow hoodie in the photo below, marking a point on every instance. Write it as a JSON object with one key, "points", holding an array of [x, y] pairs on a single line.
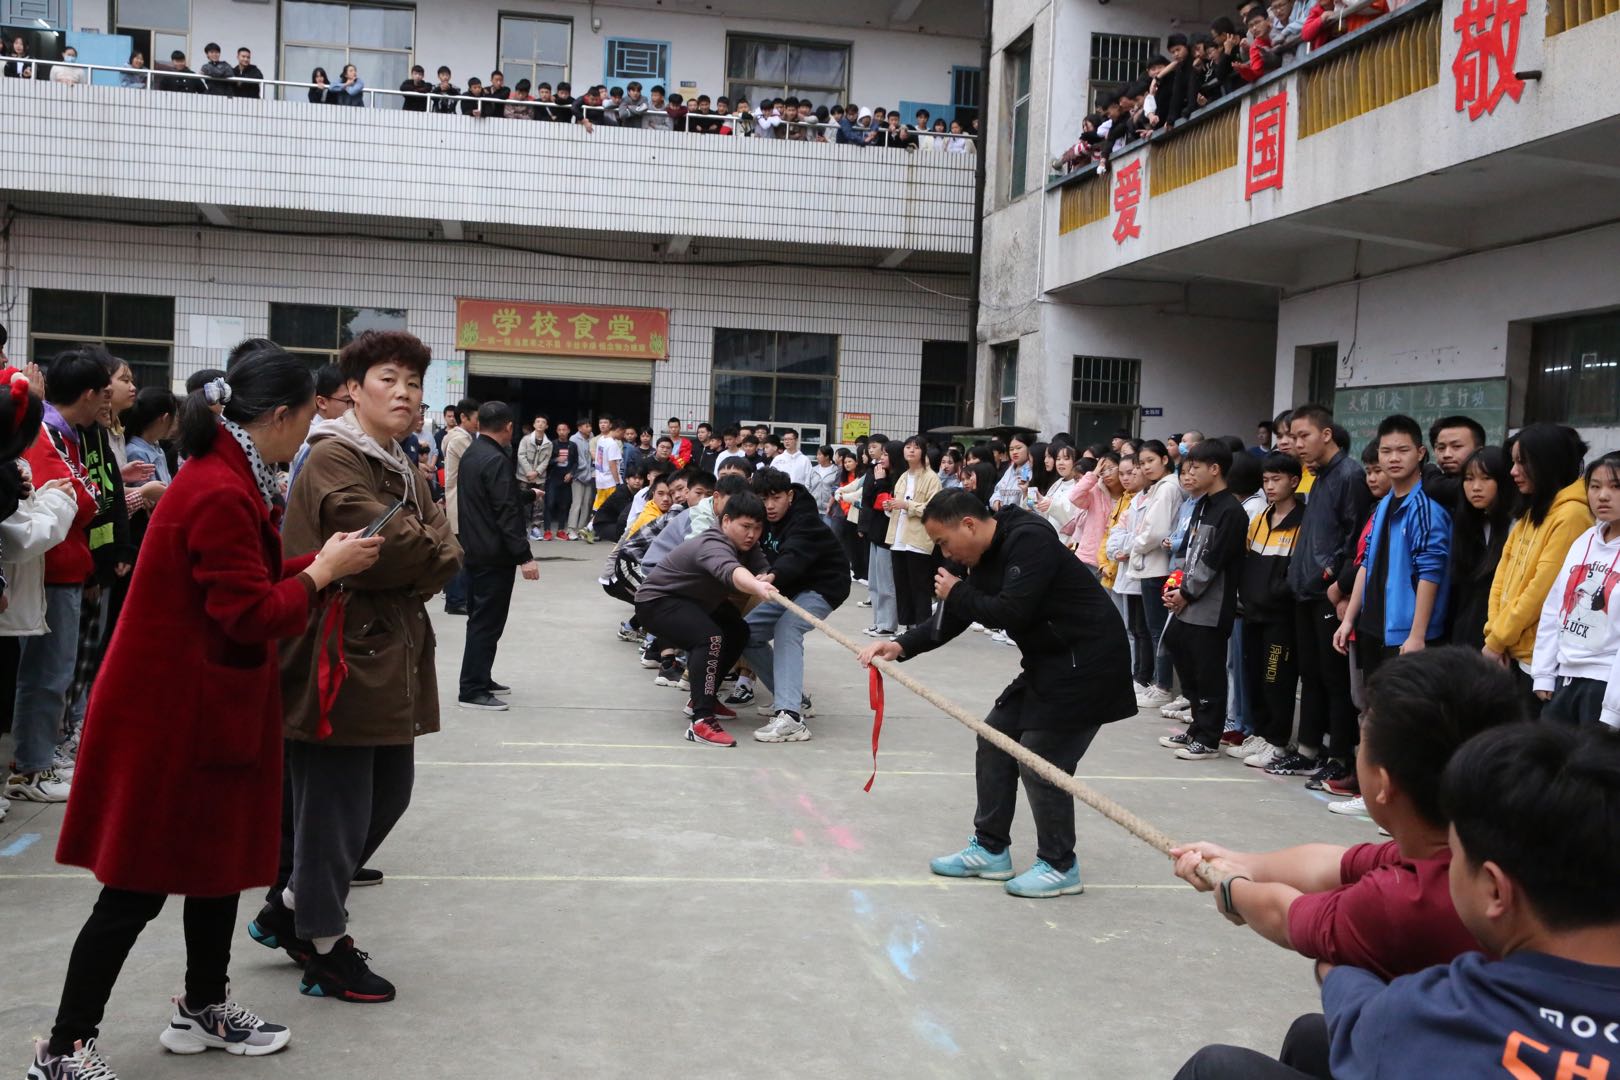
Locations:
{"points": [[1531, 559]]}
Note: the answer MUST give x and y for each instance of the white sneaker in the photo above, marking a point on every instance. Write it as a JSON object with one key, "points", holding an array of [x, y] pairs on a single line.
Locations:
{"points": [[1152, 698], [43, 786], [1139, 688], [977, 628], [806, 709], [1248, 747], [62, 764], [1356, 806], [1180, 716], [784, 727], [1263, 757], [1174, 706], [1000, 637]]}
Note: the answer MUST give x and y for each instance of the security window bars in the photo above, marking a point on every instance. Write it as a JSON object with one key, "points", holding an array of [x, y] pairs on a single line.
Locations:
{"points": [[1104, 397], [136, 329], [1116, 59], [770, 67], [773, 376], [318, 334], [646, 61]]}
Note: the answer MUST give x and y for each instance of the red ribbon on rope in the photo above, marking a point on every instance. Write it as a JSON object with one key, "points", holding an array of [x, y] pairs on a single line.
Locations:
{"points": [[331, 672], [875, 691]]}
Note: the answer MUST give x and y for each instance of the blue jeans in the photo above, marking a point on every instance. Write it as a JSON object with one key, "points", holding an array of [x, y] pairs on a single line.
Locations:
{"points": [[782, 668], [44, 674], [1157, 616], [1237, 698], [455, 590], [880, 584]]}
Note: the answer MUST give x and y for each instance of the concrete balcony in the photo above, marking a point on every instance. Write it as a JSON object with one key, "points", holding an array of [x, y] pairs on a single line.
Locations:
{"points": [[226, 161], [1384, 158]]}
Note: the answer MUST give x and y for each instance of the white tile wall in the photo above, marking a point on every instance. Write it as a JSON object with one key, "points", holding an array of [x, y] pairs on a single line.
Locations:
{"points": [[882, 318], [109, 142]]}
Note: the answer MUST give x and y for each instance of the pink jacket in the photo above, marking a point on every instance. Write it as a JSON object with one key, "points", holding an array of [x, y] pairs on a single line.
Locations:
{"points": [[1086, 528]]}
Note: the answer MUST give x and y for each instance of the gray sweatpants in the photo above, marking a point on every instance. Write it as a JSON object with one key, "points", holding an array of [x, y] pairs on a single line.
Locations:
{"points": [[345, 802]]}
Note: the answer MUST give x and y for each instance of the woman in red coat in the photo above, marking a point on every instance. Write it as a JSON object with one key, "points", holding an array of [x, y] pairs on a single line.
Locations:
{"points": [[180, 764]]}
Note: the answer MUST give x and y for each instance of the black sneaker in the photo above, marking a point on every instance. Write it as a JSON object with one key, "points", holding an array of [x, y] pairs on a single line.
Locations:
{"points": [[1176, 741], [743, 695], [1334, 769], [366, 876], [273, 928], [485, 700], [455, 609], [343, 974], [1292, 765], [499, 689]]}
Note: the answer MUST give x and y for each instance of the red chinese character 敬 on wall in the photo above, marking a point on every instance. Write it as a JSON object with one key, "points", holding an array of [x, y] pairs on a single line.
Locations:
{"points": [[1483, 69], [1127, 194], [1268, 123]]}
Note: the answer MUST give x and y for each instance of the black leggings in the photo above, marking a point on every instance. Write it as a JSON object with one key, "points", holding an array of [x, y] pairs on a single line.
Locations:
{"points": [[713, 641], [856, 548], [913, 586], [106, 939], [559, 500]]}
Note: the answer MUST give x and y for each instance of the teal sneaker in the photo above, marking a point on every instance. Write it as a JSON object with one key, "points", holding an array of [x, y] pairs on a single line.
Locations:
{"points": [[974, 861], [1041, 881]]}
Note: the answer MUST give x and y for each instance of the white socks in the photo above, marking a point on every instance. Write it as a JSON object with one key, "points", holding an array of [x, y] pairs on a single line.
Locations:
{"points": [[323, 945]]}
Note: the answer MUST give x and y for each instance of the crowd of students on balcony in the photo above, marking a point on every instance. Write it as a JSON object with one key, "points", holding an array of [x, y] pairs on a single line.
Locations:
{"points": [[1204, 66], [776, 118]]}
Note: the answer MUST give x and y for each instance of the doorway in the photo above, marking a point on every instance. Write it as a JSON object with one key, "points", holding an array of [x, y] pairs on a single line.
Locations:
{"points": [[564, 399]]}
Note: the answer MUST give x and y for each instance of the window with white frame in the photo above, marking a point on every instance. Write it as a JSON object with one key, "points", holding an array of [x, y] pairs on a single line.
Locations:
{"points": [[1004, 378], [156, 28], [317, 333], [535, 48], [772, 67], [137, 329], [378, 39], [1117, 59], [1017, 118]]}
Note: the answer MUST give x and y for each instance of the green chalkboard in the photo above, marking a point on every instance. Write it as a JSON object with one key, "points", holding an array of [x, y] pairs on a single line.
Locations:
{"points": [[1360, 408]]}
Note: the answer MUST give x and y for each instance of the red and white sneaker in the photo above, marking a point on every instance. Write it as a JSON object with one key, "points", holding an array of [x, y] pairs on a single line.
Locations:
{"points": [[709, 733], [547, 536], [720, 711]]}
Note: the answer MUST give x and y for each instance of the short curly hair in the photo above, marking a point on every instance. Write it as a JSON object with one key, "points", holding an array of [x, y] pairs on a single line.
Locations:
{"points": [[381, 347]]}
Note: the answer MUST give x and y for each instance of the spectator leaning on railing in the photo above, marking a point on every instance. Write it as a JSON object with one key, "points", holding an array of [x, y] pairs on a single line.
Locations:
{"points": [[246, 77], [216, 71], [416, 87]]}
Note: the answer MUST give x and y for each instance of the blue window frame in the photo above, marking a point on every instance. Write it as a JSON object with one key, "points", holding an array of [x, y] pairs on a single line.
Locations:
{"points": [[629, 58]]}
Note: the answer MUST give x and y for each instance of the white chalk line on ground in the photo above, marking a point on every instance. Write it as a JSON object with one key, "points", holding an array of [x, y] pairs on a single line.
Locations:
{"points": [[687, 749], [646, 879], [764, 765]]}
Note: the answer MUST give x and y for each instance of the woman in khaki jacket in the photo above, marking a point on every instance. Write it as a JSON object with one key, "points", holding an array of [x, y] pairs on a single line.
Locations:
{"points": [[913, 550], [351, 755]]}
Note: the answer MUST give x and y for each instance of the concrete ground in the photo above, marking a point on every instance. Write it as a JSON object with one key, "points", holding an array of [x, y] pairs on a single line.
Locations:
{"points": [[576, 891]]}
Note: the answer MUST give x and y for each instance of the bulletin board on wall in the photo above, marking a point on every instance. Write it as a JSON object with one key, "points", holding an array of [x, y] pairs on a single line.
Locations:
{"points": [[1359, 409]]}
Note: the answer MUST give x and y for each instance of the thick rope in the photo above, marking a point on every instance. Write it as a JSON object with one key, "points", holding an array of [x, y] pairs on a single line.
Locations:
{"points": [[1108, 808]]}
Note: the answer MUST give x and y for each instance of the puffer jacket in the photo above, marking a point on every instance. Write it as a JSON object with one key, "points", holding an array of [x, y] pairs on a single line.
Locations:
{"points": [[41, 521], [391, 694], [1531, 559]]}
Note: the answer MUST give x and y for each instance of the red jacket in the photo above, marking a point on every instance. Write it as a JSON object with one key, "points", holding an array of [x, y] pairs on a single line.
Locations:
{"points": [[1256, 65], [68, 563], [178, 786]]}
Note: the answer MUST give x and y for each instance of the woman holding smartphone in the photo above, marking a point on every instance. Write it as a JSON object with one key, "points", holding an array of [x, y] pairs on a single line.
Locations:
{"points": [[351, 755], [183, 731]]}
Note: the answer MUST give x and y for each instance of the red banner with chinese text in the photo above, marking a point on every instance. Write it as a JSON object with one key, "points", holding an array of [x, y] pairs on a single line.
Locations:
{"points": [[562, 329]]}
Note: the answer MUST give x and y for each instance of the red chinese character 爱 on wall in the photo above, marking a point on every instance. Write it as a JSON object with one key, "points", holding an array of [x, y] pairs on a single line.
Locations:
{"points": [[1483, 69], [1267, 135], [1127, 194]]}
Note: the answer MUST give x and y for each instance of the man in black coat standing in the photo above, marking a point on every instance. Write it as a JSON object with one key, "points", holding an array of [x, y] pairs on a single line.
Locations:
{"points": [[494, 539], [1075, 677]]}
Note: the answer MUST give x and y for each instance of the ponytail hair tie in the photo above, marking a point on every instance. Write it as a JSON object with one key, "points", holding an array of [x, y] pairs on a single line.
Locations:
{"points": [[217, 392]]}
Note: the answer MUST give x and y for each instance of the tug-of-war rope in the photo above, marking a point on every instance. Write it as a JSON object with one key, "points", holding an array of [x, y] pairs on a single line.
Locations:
{"points": [[1108, 808]]}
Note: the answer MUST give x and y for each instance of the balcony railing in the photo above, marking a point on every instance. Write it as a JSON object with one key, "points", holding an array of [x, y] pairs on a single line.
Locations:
{"points": [[1371, 72], [1567, 14]]}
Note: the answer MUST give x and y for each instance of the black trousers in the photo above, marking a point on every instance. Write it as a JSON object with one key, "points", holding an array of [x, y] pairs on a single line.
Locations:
{"points": [[1578, 703], [1304, 1057], [489, 601], [855, 548], [1270, 674], [1199, 653], [1325, 705], [559, 501], [106, 940], [344, 801], [913, 586], [713, 641], [997, 776]]}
